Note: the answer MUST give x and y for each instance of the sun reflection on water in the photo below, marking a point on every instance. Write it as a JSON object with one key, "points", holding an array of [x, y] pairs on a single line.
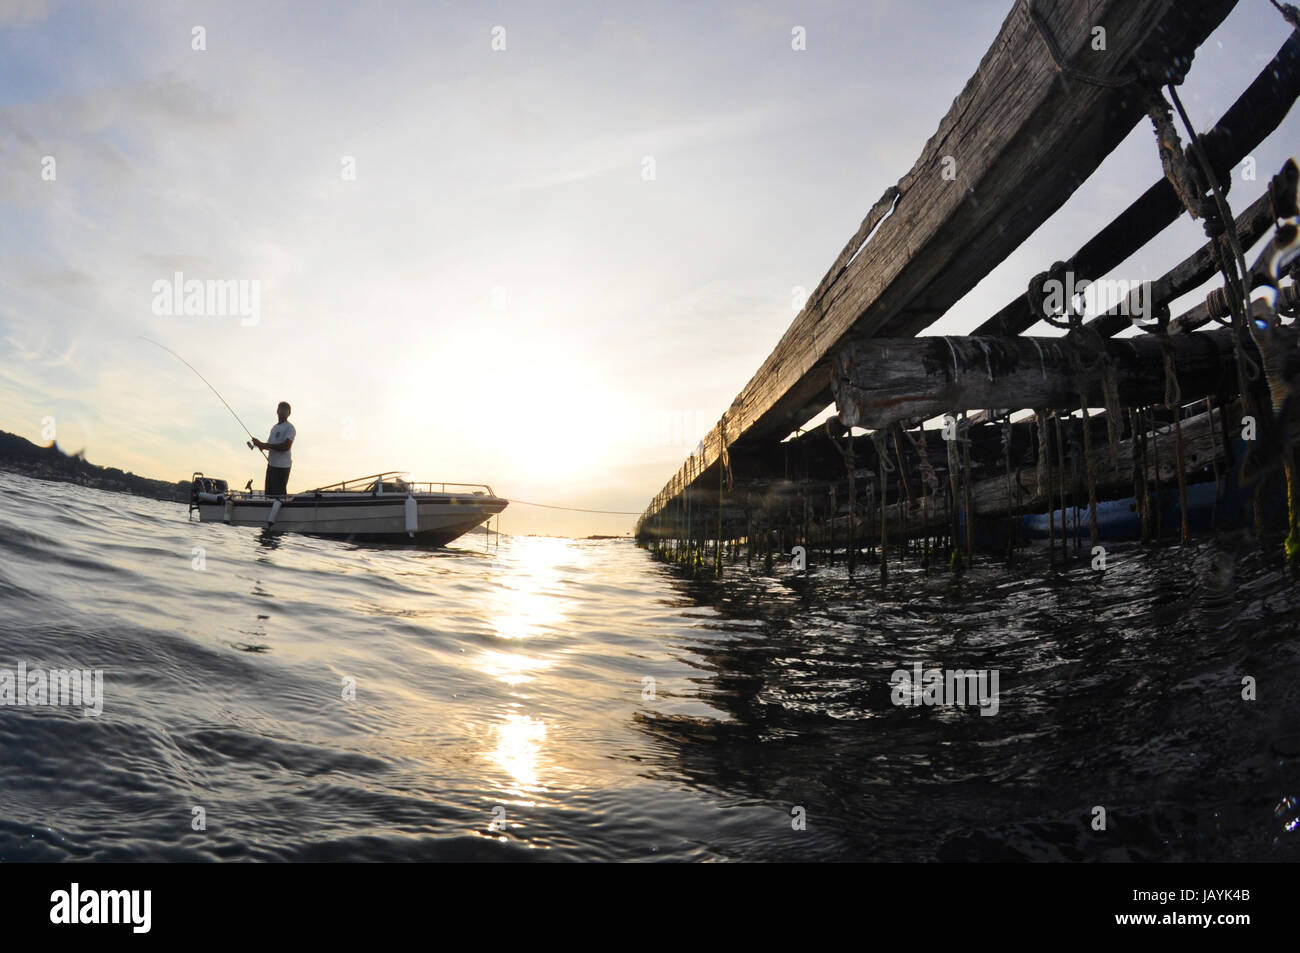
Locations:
{"points": [[513, 668], [524, 612], [519, 749], [528, 605]]}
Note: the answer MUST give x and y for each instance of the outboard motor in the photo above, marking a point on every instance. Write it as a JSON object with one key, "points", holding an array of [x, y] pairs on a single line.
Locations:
{"points": [[206, 490]]}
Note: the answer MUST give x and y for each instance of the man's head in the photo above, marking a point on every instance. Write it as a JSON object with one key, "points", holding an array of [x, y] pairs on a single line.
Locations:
{"points": [[282, 410]]}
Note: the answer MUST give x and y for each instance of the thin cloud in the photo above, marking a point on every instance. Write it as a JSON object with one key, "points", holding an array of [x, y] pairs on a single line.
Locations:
{"points": [[24, 13]]}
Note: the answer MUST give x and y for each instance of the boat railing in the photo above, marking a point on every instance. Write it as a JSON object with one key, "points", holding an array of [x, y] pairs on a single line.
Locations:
{"points": [[428, 487], [352, 485], [376, 482]]}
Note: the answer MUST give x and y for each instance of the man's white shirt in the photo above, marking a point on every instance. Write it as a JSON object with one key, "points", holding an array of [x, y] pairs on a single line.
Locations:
{"points": [[279, 433]]}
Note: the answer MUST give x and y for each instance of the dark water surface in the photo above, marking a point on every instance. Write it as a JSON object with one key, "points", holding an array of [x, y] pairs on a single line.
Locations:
{"points": [[503, 708]]}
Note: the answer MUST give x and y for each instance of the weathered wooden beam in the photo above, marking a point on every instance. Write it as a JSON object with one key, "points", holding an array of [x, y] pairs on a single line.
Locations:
{"points": [[1017, 142], [879, 382]]}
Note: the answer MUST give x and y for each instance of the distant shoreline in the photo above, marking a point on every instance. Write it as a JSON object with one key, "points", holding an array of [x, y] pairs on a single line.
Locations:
{"points": [[21, 456]]}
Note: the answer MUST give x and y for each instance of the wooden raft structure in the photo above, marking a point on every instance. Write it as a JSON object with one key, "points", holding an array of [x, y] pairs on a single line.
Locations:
{"points": [[1031, 425]]}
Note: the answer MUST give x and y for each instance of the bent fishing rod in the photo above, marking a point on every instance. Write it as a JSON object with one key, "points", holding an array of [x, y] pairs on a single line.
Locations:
{"points": [[210, 387]]}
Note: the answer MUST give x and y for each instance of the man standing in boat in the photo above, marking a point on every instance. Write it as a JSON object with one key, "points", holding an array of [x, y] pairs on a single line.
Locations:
{"points": [[278, 461]]}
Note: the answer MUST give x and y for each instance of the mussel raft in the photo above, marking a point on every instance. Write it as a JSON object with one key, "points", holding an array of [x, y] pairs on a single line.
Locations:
{"points": [[1129, 422]]}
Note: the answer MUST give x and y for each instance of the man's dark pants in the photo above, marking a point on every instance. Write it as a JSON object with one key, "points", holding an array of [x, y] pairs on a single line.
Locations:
{"points": [[277, 481]]}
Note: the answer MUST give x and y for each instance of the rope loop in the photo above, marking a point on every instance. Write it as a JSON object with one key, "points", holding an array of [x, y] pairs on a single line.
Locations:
{"points": [[1058, 58], [1037, 296], [1173, 393], [1219, 306], [1289, 12]]}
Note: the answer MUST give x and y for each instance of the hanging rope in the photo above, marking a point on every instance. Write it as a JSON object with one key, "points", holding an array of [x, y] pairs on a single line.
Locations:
{"points": [[885, 466], [1067, 319], [1144, 492], [1173, 403], [1090, 468], [1173, 392], [1087, 341], [929, 484], [1044, 487], [928, 476], [1187, 182], [1042, 469], [1262, 327], [1155, 473], [1291, 13], [1214, 458], [954, 469], [846, 454], [1236, 274], [1012, 510], [970, 509], [1060, 481], [725, 458]]}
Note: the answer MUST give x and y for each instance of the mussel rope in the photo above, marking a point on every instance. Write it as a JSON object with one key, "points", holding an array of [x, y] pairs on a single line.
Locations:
{"points": [[907, 487], [1077, 368], [1214, 448], [970, 509], [1044, 488], [1173, 402], [1155, 472], [954, 466], [1011, 509], [1060, 481], [1139, 473]]}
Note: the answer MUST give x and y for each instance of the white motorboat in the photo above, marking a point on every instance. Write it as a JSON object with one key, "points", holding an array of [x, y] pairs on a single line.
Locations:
{"points": [[382, 507]]}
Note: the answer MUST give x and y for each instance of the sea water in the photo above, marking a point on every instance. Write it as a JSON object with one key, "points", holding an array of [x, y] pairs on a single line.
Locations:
{"points": [[291, 698]]}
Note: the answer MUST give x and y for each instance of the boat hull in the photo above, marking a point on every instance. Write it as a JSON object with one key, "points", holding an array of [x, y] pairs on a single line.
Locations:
{"points": [[439, 518]]}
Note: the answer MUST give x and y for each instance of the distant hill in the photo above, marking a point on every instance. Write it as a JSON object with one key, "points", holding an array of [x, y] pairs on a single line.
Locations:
{"points": [[19, 455]]}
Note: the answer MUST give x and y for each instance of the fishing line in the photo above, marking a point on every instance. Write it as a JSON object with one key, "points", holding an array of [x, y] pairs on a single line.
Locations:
{"points": [[574, 509], [210, 387]]}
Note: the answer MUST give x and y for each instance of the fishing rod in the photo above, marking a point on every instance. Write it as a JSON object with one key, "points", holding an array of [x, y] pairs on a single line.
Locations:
{"points": [[210, 387]]}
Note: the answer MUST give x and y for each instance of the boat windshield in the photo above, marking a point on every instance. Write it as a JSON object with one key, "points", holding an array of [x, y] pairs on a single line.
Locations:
{"points": [[396, 485]]}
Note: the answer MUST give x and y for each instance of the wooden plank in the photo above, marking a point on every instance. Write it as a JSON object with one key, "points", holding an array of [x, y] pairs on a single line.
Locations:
{"points": [[1021, 139]]}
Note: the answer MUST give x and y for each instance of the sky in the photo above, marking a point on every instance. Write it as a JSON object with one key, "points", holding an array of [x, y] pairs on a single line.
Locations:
{"points": [[538, 246]]}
